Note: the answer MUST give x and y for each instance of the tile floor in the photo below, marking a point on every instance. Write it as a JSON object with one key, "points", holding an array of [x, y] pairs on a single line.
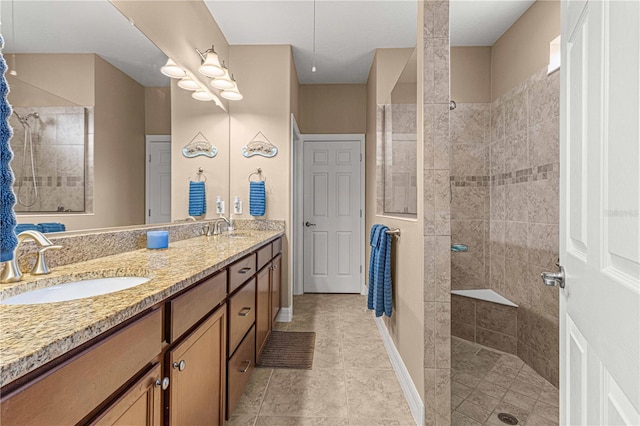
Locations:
{"points": [[351, 382], [486, 382]]}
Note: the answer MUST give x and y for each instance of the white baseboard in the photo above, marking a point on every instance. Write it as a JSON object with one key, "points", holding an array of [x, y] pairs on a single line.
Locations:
{"points": [[408, 388], [285, 314]]}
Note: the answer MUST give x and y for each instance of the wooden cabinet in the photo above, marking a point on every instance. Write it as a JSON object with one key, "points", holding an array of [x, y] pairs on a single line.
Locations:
{"points": [[241, 365], [139, 405], [68, 393], [241, 271], [242, 313], [263, 309], [276, 283], [196, 368]]}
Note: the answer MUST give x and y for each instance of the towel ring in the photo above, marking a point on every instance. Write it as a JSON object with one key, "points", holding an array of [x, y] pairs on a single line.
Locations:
{"points": [[259, 173], [200, 174]]}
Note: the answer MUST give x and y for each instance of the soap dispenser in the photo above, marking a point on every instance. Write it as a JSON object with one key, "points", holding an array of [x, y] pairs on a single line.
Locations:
{"points": [[219, 205]]}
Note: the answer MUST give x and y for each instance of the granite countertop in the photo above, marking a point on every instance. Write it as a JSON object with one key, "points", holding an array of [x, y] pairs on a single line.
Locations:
{"points": [[32, 335]]}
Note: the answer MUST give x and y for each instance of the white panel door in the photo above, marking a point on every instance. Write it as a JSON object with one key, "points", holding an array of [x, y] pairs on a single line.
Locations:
{"points": [[599, 205], [159, 182], [332, 216]]}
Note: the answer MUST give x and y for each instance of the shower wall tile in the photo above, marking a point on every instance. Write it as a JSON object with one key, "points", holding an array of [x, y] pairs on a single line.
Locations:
{"points": [[443, 335], [463, 310], [470, 123], [497, 120], [429, 136], [516, 240], [443, 269], [497, 277], [497, 155], [496, 238], [517, 202], [542, 245], [430, 268], [544, 145], [429, 334], [430, 397], [468, 268], [496, 317], [436, 71], [468, 160], [442, 200], [429, 200], [497, 194], [537, 331], [468, 202], [441, 144], [516, 151], [502, 342], [463, 331], [547, 368], [443, 401], [515, 113], [544, 199], [544, 98]]}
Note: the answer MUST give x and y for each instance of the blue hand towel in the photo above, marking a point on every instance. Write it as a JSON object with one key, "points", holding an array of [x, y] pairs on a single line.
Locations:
{"points": [[51, 227], [257, 198], [26, 227], [8, 239], [197, 198], [380, 288]]}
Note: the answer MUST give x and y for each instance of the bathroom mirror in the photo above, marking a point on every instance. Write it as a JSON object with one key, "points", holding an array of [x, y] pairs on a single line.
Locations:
{"points": [[397, 126], [87, 93]]}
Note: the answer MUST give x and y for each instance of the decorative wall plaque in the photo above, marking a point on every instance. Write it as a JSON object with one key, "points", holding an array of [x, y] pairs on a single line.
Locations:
{"points": [[259, 145], [199, 145]]}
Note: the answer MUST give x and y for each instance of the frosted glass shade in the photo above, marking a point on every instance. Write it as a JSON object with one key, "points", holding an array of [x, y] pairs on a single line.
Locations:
{"points": [[232, 94], [211, 66], [224, 82], [171, 69], [201, 95], [187, 83]]}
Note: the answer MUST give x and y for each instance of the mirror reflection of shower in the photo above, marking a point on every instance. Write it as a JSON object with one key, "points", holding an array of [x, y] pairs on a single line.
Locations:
{"points": [[27, 191]]}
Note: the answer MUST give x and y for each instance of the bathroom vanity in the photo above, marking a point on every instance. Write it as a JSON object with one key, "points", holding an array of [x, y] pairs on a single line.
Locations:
{"points": [[177, 350]]}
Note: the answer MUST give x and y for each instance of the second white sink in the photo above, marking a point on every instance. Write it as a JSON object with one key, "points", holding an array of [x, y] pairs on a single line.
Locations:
{"points": [[75, 290]]}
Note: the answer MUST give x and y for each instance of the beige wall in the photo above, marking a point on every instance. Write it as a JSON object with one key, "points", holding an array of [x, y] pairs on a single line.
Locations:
{"points": [[69, 80], [157, 110], [524, 48], [294, 90], [266, 108], [471, 74], [407, 322], [190, 117], [333, 108], [118, 103], [119, 140]]}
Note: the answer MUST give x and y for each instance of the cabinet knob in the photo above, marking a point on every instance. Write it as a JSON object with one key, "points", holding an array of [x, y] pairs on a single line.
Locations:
{"points": [[163, 383], [245, 369], [179, 365]]}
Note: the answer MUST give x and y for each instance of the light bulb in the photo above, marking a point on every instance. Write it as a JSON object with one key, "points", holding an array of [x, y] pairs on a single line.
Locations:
{"points": [[313, 68], [232, 94], [224, 82], [201, 95]]}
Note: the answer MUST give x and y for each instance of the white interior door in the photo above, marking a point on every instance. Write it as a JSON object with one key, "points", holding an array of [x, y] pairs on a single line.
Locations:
{"points": [[158, 179], [332, 216], [599, 222]]}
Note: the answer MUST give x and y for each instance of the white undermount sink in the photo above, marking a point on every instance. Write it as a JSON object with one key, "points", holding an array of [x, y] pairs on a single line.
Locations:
{"points": [[75, 290]]}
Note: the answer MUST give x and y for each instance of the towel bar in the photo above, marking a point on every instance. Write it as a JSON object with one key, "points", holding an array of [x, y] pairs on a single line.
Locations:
{"points": [[259, 173], [393, 232]]}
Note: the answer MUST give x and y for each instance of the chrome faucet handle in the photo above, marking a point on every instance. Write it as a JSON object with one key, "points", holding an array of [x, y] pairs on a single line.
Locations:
{"points": [[41, 268]]}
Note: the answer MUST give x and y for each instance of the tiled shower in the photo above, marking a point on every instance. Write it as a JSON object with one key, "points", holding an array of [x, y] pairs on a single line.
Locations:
{"points": [[60, 138], [504, 185]]}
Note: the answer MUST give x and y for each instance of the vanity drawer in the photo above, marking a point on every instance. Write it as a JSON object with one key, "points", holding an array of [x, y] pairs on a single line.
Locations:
{"points": [[239, 370], [277, 246], [190, 307], [69, 392], [241, 271], [264, 256], [242, 313]]}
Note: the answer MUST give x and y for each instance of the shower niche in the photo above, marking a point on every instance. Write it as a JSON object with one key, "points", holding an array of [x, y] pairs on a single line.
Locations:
{"points": [[50, 147]]}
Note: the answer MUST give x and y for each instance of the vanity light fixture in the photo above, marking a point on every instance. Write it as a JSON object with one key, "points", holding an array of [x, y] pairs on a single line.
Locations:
{"points": [[201, 95], [232, 94], [223, 82], [210, 63], [187, 83], [171, 69]]}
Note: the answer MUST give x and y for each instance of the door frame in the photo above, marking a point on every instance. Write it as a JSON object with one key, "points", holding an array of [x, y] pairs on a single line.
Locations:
{"points": [[298, 203], [149, 139]]}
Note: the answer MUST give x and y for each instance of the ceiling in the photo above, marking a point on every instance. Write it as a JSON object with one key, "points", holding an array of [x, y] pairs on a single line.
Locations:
{"points": [[347, 32], [81, 27]]}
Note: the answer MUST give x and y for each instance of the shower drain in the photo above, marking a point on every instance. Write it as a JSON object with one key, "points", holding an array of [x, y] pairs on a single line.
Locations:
{"points": [[508, 419]]}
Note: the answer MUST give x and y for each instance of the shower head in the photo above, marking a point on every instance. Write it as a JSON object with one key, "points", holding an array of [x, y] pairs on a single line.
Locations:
{"points": [[25, 120]]}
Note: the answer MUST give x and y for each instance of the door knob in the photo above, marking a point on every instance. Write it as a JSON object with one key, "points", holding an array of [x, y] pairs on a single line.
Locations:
{"points": [[308, 224], [553, 279]]}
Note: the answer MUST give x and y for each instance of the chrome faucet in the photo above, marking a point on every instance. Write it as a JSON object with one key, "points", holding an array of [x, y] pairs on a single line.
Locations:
{"points": [[11, 272], [216, 224]]}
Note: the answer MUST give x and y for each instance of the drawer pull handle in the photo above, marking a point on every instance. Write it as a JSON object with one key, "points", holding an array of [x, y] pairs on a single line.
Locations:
{"points": [[180, 365], [245, 369], [244, 312], [164, 383], [244, 270]]}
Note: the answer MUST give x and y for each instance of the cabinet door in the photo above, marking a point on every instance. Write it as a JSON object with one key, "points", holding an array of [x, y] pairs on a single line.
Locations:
{"points": [[276, 279], [263, 309], [197, 374], [139, 405]]}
